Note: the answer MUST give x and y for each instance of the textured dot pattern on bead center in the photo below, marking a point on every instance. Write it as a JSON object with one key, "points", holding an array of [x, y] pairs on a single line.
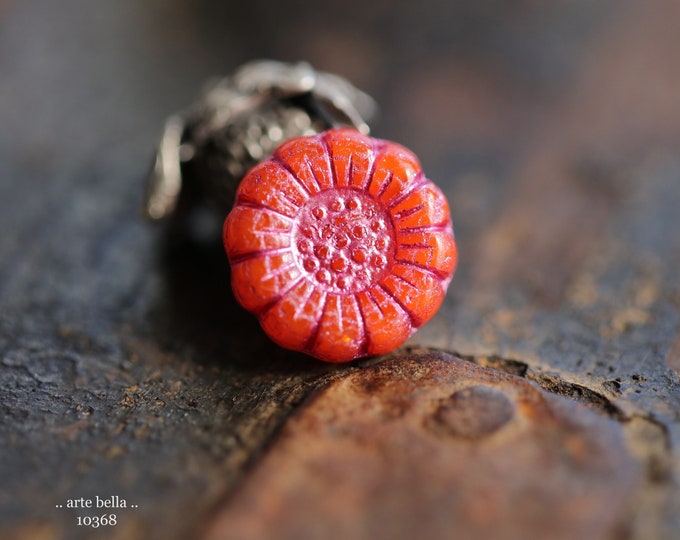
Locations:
{"points": [[343, 240]]}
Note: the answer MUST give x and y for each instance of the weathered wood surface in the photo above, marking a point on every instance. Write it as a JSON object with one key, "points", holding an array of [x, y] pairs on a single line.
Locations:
{"points": [[127, 369]]}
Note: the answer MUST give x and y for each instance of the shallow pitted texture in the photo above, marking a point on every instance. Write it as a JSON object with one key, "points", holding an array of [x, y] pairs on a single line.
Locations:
{"points": [[340, 245]]}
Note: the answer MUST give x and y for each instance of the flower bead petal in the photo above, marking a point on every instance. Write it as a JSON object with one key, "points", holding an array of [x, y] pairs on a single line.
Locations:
{"points": [[430, 249], [250, 229], [307, 160], [292, 321], [340, 334], [271, 186], [377, 307], [351, 157], [424, 207], [259, 281], [418, 291], [396, 170]]}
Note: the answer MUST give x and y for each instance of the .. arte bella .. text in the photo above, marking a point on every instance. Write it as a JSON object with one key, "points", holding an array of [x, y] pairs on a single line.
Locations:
{"points": [[98, 511], [114, 501]]}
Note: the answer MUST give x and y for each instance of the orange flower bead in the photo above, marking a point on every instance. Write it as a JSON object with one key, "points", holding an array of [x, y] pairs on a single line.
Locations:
{"points": [[340, 245]]}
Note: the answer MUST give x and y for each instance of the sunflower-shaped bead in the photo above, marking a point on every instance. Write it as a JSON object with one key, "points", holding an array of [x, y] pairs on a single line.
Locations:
{"points": [[340, 245]]}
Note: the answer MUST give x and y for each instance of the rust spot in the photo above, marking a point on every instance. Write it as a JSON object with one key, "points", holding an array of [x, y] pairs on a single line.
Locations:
{"points": [[474, 412]]}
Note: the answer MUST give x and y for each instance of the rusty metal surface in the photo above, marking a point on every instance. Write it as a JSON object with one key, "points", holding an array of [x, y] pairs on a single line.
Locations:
{"points": [[432, 446], [126, 367]]}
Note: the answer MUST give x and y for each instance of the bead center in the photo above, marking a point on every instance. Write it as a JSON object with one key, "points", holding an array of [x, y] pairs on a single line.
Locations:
{"points": [[343, 240]]}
